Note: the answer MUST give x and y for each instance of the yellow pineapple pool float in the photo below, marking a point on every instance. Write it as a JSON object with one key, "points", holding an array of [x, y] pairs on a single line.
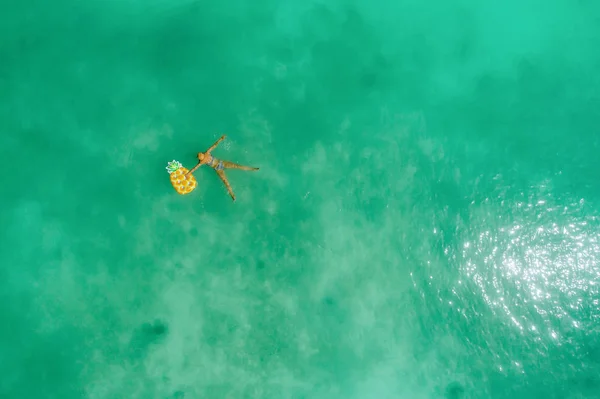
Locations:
{"points": [[181, 183]]}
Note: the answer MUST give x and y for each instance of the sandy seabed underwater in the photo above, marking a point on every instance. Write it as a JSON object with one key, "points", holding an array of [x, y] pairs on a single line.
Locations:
{"points": [[424, 224]]}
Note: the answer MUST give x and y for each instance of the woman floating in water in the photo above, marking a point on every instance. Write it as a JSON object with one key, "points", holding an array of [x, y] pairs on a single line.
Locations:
{"points": [[205, 158]]}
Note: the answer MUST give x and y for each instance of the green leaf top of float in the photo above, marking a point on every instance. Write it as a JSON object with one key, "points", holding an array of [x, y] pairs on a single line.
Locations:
{"points": [[173, 166]]}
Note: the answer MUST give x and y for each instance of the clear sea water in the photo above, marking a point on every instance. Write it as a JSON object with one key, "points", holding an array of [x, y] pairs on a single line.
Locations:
{"points": [[425, 223]]}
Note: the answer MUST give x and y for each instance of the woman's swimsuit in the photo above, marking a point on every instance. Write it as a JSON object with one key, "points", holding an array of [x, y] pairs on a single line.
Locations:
{"points": [[212, 161]]}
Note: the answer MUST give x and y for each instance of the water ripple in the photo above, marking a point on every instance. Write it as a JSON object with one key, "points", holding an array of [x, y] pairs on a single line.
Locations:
{"points": [[537, 262]]}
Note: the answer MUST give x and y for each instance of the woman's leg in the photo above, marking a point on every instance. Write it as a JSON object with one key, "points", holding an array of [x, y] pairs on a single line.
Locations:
{"points": [[224, 180], [231, 165]]}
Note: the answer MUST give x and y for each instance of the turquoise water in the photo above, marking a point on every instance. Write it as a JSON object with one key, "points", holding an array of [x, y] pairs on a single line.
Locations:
{"points": [[425, 222]]}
